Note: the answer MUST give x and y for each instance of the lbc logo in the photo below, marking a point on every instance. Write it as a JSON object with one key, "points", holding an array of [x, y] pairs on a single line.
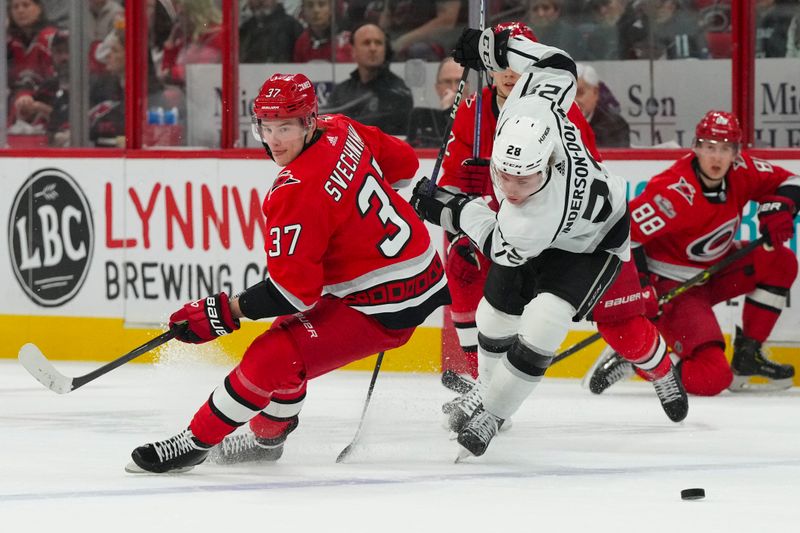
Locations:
{"points": [[51, 237]]}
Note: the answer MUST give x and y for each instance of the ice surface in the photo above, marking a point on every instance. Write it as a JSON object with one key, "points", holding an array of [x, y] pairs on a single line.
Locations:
{"points": [[571, 462]]}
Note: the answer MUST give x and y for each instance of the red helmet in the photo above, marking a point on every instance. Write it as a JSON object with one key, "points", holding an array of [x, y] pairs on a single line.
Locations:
{"points": [[516, 28], [719, 126], [286, 96]]}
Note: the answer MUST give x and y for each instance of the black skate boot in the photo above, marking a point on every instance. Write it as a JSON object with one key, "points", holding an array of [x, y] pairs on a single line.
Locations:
{"points": [[672, 395], [459, 410], [749, 362], [609, 368], [175, 455], [479, 432], [246, 447]]}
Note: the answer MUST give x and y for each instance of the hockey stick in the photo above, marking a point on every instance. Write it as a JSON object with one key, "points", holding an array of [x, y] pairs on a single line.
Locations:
{"points": [[38, 366], [698, 279], [476, 137], [349, 448]]}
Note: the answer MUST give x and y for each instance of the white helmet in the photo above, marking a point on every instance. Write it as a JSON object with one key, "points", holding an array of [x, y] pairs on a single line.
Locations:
{"points": [[523, 146]]}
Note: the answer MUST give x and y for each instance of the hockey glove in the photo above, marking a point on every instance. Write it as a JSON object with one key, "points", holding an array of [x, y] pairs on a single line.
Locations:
{"points": [[438, 206], [473, 176], [482, 50], [203, 320], [776, 219], [463, 262]]}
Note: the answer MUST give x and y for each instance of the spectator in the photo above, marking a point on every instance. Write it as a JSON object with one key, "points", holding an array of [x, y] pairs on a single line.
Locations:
{"points": [[315, 41], [426, 125], [676, 32], [103, 14], [107, 95], [55, 92], [602, 34], [30, 63], [610, 129], [196, 37], [373, 95], [423, 29], [793, 38], [773, 18], [545, 18], [269, 35]]}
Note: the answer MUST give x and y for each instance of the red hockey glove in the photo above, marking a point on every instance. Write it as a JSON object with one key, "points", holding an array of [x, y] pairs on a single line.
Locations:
{"points": [[650, 298], [473, 176], [203, 320], [776, 219], [463, 263]]}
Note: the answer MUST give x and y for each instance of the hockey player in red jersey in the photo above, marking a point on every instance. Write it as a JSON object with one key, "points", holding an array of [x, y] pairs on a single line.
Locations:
{"points": [[466, 267], [685, 221], [352, 272]]}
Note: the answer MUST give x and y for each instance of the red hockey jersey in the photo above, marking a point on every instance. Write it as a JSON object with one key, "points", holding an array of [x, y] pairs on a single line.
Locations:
{"points": [[336, 226], [459, 147], [683, 230]]}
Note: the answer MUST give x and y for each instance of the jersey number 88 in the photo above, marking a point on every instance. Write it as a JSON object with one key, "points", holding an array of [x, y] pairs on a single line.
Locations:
{"points": [[646, 218]]}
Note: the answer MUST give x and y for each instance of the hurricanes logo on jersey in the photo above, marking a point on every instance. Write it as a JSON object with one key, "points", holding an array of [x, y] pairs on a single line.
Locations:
{"points": [[684, 188], [714, 244], [284, 178]]}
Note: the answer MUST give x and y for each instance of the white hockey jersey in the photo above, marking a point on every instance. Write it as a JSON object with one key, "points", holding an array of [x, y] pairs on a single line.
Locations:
{"points": [[582, 208]]}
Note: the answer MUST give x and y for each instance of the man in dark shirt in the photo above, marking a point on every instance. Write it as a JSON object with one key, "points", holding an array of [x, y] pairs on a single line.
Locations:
{"points": [[610, 129], [372, 95], [268, 36]]}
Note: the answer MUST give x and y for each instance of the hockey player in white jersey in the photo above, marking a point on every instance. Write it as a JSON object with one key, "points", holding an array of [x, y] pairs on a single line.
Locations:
{"points": [[557, 241]]}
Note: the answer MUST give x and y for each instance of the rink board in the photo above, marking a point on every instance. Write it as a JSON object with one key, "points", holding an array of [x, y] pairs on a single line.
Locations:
{"points": [[99, 252]]}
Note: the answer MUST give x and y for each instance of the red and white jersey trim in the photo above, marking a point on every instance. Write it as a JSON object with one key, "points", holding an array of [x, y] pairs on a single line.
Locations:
{"points": [[388, 274]]}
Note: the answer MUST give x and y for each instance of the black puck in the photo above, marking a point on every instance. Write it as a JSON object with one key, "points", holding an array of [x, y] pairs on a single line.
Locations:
{"points": [[693, 494]]}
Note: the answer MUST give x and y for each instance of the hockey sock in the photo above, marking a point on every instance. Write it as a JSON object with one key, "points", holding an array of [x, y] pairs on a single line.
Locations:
{"points": [[762, 308]]}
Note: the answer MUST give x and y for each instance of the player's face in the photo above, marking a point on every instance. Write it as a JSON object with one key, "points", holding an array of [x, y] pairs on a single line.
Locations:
{"points": [[505, 81], [715, 158], [285, 138], [517, 189]]}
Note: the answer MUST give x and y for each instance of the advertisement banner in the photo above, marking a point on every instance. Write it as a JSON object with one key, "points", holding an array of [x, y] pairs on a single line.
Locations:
{"points": [[136, 238]]}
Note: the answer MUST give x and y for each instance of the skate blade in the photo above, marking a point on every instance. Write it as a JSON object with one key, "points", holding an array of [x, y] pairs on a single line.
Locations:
{"points": [[589, 373], [463, 454], [759, 384], [133, 468]]}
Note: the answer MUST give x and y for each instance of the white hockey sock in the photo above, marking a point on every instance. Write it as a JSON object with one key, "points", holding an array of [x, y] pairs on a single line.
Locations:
{"points": [[487, 361], [508, 389]]}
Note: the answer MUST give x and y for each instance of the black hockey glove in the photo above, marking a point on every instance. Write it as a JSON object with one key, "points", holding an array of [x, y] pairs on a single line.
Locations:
{"points": [[482, 50], [438, 206]]}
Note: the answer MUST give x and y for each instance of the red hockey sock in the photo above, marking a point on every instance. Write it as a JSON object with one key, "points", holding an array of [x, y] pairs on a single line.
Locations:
{"points": [[706, 372], [758, 321]]}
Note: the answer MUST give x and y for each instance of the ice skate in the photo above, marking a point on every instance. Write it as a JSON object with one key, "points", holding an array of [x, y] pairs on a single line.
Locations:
{"points": [[478, 432], [609, 368], [246, 447], [177, 454], [753, 372], [458, 383], [459, 410], [672, 395]]}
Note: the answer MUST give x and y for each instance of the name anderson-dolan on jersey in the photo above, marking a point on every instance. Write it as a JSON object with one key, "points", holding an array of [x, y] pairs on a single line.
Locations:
{"points": [[335, 226], [581, 207]]}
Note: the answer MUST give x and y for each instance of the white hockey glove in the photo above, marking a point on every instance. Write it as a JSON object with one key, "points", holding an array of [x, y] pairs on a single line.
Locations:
{"points": [[438, 206]]}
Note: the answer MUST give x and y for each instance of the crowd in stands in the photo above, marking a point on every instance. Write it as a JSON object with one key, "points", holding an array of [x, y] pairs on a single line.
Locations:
{"points": [[369, 33]]}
